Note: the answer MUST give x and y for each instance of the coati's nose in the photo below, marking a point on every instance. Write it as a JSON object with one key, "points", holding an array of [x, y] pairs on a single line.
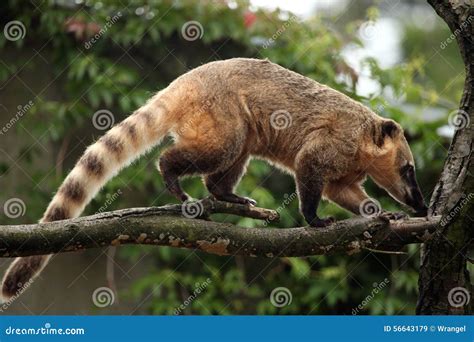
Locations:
{"points": [[418, 204], [422, 212], [414, 199]]}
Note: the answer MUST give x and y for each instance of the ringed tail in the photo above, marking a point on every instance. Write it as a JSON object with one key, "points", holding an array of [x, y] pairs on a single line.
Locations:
{"points": [[122, 144]]}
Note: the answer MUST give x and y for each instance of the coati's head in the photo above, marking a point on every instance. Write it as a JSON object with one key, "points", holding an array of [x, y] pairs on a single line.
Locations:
{"points": [[393, 167]]}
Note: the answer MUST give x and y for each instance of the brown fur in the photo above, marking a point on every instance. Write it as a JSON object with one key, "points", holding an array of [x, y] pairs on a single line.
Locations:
{"points": [[113, 144], [73, 190], [130, 130], [220, 116], [92, 164], [21, 271], [56, 214]]}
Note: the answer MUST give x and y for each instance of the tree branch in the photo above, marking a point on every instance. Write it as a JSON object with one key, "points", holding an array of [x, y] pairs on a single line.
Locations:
{"points": [[168, 226]]}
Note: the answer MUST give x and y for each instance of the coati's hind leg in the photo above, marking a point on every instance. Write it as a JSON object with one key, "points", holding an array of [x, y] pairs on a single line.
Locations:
{"points": [[179, 161], [172, 167], [221, 184], [199, 156], [206, 144]]}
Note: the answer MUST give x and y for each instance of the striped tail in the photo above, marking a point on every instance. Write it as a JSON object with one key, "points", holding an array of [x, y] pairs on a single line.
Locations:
{"points": [[121, 145]]}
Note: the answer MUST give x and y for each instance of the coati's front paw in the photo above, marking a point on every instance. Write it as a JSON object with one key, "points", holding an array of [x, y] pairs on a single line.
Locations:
{"points": [[388, 215], [322, 222]]}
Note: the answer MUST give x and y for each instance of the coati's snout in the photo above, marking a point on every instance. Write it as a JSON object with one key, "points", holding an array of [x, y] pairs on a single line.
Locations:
{"points": [[394, 169], [413, 196]]}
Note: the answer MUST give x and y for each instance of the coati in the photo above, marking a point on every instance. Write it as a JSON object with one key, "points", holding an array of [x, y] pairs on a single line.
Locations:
{"points": [[223, 113]]}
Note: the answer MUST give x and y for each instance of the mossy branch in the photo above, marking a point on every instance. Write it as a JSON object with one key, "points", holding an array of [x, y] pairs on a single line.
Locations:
{"points": [[169, 226]]}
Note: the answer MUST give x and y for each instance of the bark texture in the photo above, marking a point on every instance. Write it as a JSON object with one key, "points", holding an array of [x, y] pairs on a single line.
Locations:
{"points": [[169, 226], [444, 283]]}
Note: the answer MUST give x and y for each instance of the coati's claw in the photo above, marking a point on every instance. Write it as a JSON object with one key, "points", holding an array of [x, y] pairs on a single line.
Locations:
{"points": [[388, 215], [319, 223], [185, 197], [250, 201], [233, 198]]}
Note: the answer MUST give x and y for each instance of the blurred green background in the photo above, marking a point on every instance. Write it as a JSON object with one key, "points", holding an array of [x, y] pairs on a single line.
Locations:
{"points": [[391, 55]]}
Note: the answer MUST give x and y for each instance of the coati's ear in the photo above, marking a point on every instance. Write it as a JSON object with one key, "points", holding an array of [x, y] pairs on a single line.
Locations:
{"points": [[387, 128]]}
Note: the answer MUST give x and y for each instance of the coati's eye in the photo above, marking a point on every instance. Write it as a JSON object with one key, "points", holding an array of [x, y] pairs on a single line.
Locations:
{"points": [[407, 170]]}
